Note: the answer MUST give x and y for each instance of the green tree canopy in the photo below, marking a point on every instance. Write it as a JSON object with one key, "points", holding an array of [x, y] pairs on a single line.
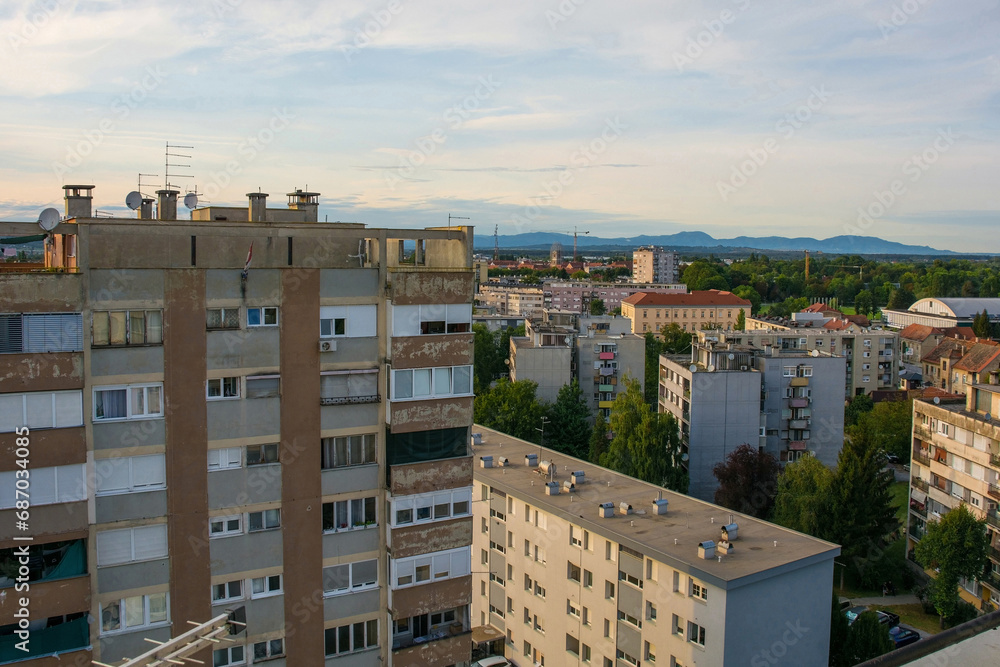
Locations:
{"points": [[901, 299], [597, 307], [675, 340], [750, 294], [889, 424], [741, 320], [958, 546], [748, 481], [867, 639], [856, 407], [803, 496], [839, 629], [580, 275], [569, 422], [981, 325], [864, 303], [645, 444], [511, 408], [598, 439], [701, 275]]}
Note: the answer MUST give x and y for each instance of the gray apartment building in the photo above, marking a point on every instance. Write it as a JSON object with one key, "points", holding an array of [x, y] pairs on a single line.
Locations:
{"points": [[246, 409], [789, 403], [652, 264], [598, 351], [579, 565]]}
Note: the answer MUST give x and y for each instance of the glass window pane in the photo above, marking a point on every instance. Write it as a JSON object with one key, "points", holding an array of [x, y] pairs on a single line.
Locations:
{"points": [[357, 452], [442, 381], [138, 400], [273, 518], [39, 407], [422, 382], [117, 327], [364, 573], [403, 384], [135, 613], [154, 326], [154, 400], [158, 607], [231, 318], [462, 380], [253, 317], [136, 328], [369, 448], [270, 316], [326, 328], [111, 616], [101, 332]]}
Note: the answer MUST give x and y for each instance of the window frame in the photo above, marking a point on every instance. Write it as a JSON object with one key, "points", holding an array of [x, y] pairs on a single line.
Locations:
{"points": [[369, 444], [226, 530], [147, 327], [262, 313], [351, 586], [131, 487], [404, 383], [234, 382], [229, 465], [130, 414], [267, 581], [228, 597], [146, 614], [132, 545], [222, 318], [23, 420], [264, 459], [429, 501], [351, 524], [265, 525]]}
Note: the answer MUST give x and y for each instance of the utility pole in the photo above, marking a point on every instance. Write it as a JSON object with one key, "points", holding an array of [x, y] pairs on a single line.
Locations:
{"points": [[541, 442], [496, 243]]}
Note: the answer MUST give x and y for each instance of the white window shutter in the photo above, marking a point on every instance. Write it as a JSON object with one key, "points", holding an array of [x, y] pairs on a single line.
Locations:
{"points": [[7, 489], [111, 474], [148, 470], [70, 483], [43, 486], [69, 408], [151, 542], [11, 412], [459, 312], [39, 409], [114, 546], [406, 320]]}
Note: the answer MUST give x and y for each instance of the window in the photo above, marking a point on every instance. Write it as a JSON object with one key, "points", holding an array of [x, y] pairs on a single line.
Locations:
{"points": [[128, 402], [266, 316], [32, 333], [130, 474], [231, 590], [44, 409], [263, 386], [351, 638], [788, 371], [448, 564], [223, 318], [696, 634], [572, 645], [622, 655], [133, 613], [574, 536], [539, 590], [353, 450], [262, 454], [650, 652], [224, 526], [218, 388], [231, 655], [573, 572], [271, 648], [264, 520], [588, 578], [347, 514], [628, 618], [431, 319], [650, 611], [223, 459], [422, 383], [572, 609], [262, 587], [585, 653], [630, 578], [339, 387], [698, 590], [609, 590], [49, 485], [347, 321], [129, 545], [127, 327]]}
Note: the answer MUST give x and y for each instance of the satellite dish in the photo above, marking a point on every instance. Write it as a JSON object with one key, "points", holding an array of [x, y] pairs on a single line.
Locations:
{"points": [[814, 353], [693, 367], [191, 200], [711, 369], [988, 416], [731, 356], [48, 219], [133, 200], [684, 456], [937, 400]]}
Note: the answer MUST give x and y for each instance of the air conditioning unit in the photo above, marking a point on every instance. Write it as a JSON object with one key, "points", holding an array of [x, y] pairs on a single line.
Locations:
{"points": [[743, 368], [328, 346]]}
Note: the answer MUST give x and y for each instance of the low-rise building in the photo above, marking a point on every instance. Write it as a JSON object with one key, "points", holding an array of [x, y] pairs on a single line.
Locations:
{"points": [[707, 309], [788, 402], [510, 299], [576, 296], [576, 564], [943, 313]]}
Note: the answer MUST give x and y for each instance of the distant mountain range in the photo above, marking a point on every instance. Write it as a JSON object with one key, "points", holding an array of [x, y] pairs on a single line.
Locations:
{"points": [[846, 245]]}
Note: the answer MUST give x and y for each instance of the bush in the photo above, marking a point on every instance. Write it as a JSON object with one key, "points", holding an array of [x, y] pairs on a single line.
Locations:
{"points": [[964, 612], [909, 579]]}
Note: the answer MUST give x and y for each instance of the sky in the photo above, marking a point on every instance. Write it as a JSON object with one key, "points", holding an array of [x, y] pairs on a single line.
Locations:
{"points": [[731, 117]]}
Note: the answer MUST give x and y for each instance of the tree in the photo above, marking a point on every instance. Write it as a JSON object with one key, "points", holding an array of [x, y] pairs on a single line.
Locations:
{"points": [[598, 439], [889, 424], [839, 629], [597, 307], [645, 444], [958, 545], [580, 275], [861, 514], [484, 355], [511, 408], [675, 339], [901, 299], [750, 294], [654, 348], [981, 325], [803, 496], [864, 303], [569, 421], [856, 407], [867, 638], [748, 481], [741, 320]]}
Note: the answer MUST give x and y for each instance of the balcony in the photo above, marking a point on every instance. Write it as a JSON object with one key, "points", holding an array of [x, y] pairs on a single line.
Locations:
{"points": [[995, 460], [798, 402], [916, 532], [798, 424], [993, 518], [920, 457], [994, 491], [447, 648], [70, 636], [920, 484], [918, 509], [345, 400]]}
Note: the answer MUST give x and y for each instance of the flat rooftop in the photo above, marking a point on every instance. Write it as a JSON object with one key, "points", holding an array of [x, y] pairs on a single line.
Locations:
{"points": [[671, 538]]}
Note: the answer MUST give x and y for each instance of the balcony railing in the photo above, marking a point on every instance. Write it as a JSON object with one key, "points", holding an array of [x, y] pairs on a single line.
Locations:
{"points": [[407, 641], [993, 518], [920, 457], [920, 484], [995, 460], [70, 636], [344, 400], [994, 491], [916, 532], [919, 510]]}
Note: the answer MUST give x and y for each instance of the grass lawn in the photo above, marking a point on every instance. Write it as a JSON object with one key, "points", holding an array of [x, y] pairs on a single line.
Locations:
{"points": [[913, 615], [896, 551], [847, 310]]}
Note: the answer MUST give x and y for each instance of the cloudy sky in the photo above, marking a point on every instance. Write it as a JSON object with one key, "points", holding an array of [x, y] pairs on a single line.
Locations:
{"points": [[874, 117]]}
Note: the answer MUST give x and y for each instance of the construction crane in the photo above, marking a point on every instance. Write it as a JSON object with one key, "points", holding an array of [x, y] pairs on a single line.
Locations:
{"points": [[818, 252], [574, 241], [851, 266], [496, 243], [576, 232]]}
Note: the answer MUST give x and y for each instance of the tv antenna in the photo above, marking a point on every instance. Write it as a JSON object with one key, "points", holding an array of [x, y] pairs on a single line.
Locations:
{"points": [[139, 189], [455, 217], [167, 164]]}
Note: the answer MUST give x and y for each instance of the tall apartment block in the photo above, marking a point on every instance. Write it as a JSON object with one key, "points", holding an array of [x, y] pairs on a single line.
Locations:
{"points": [[284, 430], [956, 460], [651, 264], [578, 565], [596, 351], [788, 403]]}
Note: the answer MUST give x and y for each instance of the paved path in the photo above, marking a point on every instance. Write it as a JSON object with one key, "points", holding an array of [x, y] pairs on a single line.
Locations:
{"points": [[889, 600]]}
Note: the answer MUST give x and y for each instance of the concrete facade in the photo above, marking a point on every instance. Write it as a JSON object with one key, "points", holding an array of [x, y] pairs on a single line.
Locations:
{"points": [[564, 586], [651, 264], [575, 296], [708, 309], [212, 440]]}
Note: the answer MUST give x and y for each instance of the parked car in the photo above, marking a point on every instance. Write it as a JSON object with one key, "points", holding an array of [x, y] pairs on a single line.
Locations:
{"points": [[903, 637], [892, 458], [494, 661], [886, 618]]}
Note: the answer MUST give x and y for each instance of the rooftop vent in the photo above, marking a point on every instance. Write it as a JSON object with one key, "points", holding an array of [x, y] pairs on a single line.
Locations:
{"points": [[660, 505], [706, 550], [531, 460], [551, 488], [485, 461], [503, 462], [726, 547], [569, 486], [624, 508], [477, 439], [729, 532], [546, 467], [577, 477], [606, 510]]}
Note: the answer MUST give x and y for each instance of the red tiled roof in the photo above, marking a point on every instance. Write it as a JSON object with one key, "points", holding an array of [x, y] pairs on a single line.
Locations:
{"points": [[860, 320], [935, 392], [948, 347], [965, 333], [700, 298], [978, 357], [920, 332], [838, 325]]}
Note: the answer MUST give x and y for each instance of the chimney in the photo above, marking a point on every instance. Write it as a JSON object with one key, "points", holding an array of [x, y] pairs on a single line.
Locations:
{"points": [[166, 208], [78, 200], [146, 208], [258, 206], [305, 201]]}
